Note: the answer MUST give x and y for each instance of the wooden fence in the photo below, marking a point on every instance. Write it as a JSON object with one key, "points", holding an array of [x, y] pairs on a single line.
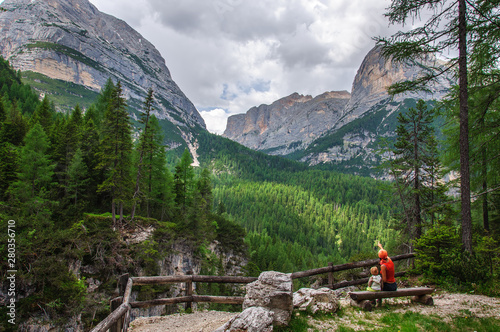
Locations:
{"points": [[119, 319]]}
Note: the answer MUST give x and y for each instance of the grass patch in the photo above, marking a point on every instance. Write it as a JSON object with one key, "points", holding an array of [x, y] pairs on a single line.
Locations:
{"points": [[298, 323], [411, 321]]}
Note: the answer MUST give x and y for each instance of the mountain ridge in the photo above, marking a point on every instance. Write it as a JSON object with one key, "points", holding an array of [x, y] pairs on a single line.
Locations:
{"points": [[73, 41]]}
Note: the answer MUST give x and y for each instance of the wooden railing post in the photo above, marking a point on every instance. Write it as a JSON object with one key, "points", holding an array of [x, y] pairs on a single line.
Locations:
{"points": [[122, 283], [330, 275], [189, 292], [114, 304]]}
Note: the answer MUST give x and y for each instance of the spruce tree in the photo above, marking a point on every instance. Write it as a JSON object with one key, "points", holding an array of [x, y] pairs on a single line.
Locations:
{"points": [[115, 154], [157, 179], [414, 164], [183, 185], [146, 145], [35, 173]]}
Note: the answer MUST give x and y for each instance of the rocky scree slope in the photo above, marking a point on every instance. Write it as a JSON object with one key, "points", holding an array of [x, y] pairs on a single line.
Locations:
{"points": [[71, 40]]}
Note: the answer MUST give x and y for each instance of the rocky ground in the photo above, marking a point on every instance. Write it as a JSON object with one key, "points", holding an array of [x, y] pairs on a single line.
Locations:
{"points": [[445, 306]]}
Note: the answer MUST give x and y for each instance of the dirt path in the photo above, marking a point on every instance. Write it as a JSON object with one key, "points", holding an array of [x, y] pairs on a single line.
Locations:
{"points": [[445, 306]]}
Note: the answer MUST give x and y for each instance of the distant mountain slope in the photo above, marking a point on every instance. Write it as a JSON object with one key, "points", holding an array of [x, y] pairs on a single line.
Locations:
{"points": [[346, 131], [71, 41]]}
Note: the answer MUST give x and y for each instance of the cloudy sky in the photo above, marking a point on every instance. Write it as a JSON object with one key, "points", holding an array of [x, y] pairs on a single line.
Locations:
{"points": [[230, 55]]}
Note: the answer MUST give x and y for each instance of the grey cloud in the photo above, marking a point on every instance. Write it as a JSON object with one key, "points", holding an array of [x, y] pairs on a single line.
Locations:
{"points": [[235, 19]]}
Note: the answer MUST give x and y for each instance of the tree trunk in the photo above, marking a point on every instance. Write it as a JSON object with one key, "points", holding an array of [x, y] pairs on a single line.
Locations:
{"points": [[464, 129], [113, 212], [121, 213], [484, 176]]}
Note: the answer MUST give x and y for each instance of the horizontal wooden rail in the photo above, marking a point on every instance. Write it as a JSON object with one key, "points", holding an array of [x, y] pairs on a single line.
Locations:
{"points": [[343, 284], [348, 266], [158, 280], [193, 298]]}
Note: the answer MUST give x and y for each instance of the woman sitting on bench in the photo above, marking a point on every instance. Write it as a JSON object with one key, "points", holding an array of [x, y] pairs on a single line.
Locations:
{"points": [[387, 270]]}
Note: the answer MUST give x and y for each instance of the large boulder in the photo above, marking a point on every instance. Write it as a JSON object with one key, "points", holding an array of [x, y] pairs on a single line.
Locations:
{"points": [[253, 319], [314, 300], [273, 291]]}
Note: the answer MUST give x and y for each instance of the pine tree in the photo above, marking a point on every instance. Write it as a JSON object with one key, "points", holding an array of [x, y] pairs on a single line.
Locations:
{"points": [[115, 154]]}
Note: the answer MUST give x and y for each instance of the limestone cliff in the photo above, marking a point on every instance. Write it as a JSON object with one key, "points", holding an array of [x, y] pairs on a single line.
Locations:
{"points": [[288, 124], [72, 41]]}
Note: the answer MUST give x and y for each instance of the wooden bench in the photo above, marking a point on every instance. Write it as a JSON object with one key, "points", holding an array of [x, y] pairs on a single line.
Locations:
{"points": [[419, 294]]}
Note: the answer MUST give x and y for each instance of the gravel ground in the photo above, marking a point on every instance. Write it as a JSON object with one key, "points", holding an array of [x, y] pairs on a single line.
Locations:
{"points": [[200, 321], [445, 306]]}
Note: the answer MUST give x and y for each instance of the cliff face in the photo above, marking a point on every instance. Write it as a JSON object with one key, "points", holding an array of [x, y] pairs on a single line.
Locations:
{"points": [[288, 124], [376, 74], [72, 41]]}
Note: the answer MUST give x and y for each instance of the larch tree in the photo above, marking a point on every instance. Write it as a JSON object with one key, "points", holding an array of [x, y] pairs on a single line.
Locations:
{"points": [[456, 25]]}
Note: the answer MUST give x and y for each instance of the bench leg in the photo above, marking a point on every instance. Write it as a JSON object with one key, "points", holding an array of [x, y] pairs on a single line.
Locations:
{"points": [[424, 299], [363, 304]]}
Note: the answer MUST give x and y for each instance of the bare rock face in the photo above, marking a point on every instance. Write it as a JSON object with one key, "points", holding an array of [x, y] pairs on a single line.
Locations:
{"points": [[314, 300], [273, 291], [377, 73], [287, 124], [253, 319], [72, 41]]}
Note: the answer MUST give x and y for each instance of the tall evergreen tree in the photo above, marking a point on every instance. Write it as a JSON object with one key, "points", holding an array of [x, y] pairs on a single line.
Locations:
{"points": [[183, 185], [44, 114], [415, 165], [77, 182], [115, 154], [35, 173], [157, 179], [146, 145], [459, 24]]}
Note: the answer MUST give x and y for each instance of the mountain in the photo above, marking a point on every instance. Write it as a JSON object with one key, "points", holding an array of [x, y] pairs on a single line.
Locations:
{"points": [[288, 124], [71, 43], [347, 127]]}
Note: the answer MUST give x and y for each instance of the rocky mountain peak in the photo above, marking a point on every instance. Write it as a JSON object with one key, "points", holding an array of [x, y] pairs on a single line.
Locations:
{"points": [[71, 40], [377, 73], [287, 124]]}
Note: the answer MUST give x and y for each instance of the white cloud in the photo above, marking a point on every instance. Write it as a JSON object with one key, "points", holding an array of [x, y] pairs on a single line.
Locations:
{"points": [[234, 54], [215, 119]]}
